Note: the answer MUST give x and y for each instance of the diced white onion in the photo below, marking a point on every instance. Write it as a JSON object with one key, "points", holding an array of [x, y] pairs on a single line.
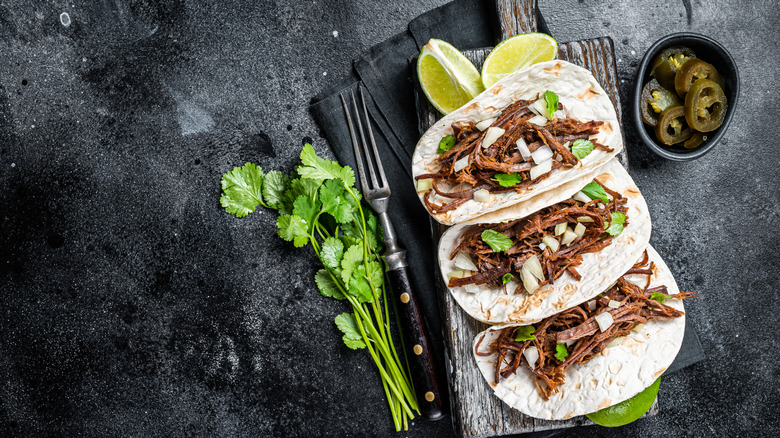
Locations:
{"points": [[538, 120], [463, 261], [534, 267], [523, 148], [579, 230], [539, 107], [531, 355], [601, 205], [458, 273], [584, 219], [492, 134], [540, 169], [425, 184], [460, 164], [613, 304], [560, 114], [638, 328], [592, 305], [551, 243], [560, 228], [617, 341], [582, 197], [542, 154], [482, 195], [471, 288], [485, 124], [604, 320], [529, 282], [568, 236], [542, 246]]}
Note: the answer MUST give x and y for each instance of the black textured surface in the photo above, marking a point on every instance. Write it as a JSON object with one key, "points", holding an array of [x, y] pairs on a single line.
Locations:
{"points": [[130, 304]]}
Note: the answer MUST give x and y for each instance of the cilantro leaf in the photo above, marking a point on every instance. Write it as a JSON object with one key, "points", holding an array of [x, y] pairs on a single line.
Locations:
{"points": [[616, 223], [347, 324], [581, 148], [321, 169], [242, 190], [507, 179], [525, 333], [352, 256], [552, 103], [334, 201], [358, 285], [561, 352], [274, 185], [446, 143], [497, 241], [306, 209], [293, 228], [327, 286], [658, 296], [507, 278], [298, 187], [376, 274], [331, 253], [595, 190]]}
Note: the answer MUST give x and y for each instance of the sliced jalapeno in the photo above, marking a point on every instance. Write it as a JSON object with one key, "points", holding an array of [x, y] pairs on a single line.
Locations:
{"points": [[705, 105], [696, 140], [655, 99], [692, 70], [671, 127], [666, 64]]}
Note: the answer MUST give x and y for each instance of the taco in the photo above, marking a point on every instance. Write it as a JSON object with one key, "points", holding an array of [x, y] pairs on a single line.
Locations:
{"points": [[529, 133], [521, 266], [593, 355]]}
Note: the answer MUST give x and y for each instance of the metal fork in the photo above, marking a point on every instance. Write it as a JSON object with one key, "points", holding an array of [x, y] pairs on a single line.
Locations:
{"points": [[417, 343]]}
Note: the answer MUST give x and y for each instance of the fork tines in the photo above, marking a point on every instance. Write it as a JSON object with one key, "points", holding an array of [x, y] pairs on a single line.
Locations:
{"points": [[363, 152]]}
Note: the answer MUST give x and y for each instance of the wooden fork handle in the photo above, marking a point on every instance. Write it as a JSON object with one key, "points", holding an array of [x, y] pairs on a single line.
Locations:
{"points": [[417, 344]]}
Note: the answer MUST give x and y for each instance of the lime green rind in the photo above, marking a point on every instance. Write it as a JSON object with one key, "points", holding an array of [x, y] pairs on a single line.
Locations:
{"points": [[628, 411]]}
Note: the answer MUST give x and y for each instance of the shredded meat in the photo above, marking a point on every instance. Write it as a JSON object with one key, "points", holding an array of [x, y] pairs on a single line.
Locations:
{"points": [[502, 157], [577, 327], [526, 235]]}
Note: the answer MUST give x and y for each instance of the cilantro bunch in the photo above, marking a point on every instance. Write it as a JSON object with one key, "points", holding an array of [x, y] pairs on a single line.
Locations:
{"points": [[319, 205]]}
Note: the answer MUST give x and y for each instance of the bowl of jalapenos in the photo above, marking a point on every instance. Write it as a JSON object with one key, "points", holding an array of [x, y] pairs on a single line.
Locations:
{"points": [[685, 95]]}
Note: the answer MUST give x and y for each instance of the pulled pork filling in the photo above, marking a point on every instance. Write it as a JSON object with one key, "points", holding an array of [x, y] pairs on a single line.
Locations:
{"points": [[575, 336], [482, 164], [540, 239]]}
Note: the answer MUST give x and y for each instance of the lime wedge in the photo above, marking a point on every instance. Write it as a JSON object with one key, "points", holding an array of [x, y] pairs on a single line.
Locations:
{"points": [[448, 79], [515, 53], [629, 410]]}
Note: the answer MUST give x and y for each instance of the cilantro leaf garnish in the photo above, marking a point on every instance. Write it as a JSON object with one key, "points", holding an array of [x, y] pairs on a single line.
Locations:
{"points": [[352, 338], [274, 185], [561, 352], [658, 296], [595, 190], [293, 228], [497, 241], [446, 143], [617, 219], [506, 278], [552, 103], [525, 333], [581, 148], [507, 179], [332, 252], [242, 190]]}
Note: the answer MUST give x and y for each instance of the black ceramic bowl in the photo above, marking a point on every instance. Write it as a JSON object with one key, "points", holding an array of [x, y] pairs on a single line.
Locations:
{"points": [[708, 50]]}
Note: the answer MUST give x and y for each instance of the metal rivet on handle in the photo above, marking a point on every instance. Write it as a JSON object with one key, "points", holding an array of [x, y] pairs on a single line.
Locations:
{"points": [[429, 396], [404, 297], [417, 349]]}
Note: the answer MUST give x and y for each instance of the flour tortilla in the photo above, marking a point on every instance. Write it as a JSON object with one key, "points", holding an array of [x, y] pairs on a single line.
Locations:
{"points": [[583, 99], [615, 375], [598, 270]]}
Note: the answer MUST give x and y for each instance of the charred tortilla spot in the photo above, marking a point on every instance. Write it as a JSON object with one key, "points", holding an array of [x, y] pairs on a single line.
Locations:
{"points": [[569, 415], [607, 127], [659, 372], [605, 404], [590, 93], [497, 89], [632, 193], [556, 69]]}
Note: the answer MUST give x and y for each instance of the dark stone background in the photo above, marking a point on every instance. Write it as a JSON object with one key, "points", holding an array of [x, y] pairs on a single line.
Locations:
{"points": [[131, 304]]}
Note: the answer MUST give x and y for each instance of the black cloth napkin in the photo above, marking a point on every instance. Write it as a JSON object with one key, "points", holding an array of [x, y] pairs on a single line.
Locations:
{"points": [[385, 75]]}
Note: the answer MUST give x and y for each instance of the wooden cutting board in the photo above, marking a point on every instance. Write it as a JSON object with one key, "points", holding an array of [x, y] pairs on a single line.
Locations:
{"points": [[476, 412]]}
